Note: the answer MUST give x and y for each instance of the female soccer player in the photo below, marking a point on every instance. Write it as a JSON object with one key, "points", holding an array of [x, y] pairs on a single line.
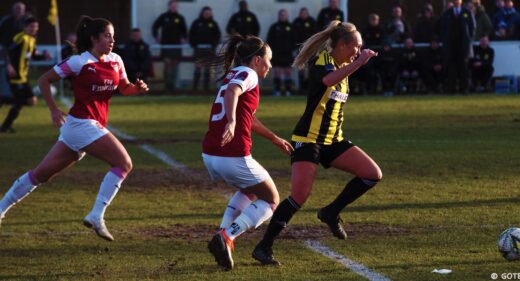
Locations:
{"points": [[227, 144], [318, 138], [96, 74]]}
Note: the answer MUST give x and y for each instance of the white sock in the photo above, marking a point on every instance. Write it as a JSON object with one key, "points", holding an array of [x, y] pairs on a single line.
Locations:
{"points": [[238, 202], [22, 187], [252, 216], [107, 191]]}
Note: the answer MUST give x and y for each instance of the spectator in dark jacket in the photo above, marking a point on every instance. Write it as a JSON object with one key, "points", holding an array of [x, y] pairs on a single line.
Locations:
{"points": [[137, 57], [173, 31], [457, 33], [426, 26], [373, 34], [204, 38], [397, 29], [304, 26], [373, 38], [280, 39], [483, 24], [243, 22], [482, 65], [328, 14], [69, 45], [409, 66], [387, 67], [432, 67]]}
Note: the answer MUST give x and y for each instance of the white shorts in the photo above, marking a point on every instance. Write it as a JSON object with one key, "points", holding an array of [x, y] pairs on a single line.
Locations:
{"points": [[241, 172], [77, 133]]}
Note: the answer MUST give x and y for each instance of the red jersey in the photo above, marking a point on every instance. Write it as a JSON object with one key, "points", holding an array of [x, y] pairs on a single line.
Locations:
{"points": [[94, 82], [241, 143]]}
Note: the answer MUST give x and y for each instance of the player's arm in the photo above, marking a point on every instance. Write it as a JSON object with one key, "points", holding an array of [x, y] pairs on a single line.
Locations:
{"points": [[131, 89], [45, 81], [230, 106], [263, 131], [336, 76]]}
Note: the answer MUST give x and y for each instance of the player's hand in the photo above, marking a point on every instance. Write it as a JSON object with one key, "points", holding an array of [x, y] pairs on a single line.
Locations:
{"points": [[11, 71], [284, 145], [141, 86], [229, 133], [58, 117], [366, 55]]}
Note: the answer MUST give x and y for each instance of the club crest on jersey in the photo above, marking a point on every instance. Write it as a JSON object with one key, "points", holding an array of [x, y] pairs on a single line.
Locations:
{"points": [[329, 67], [92, 69], [242, 76], [338, 96], [230, 75], [115, 66]]}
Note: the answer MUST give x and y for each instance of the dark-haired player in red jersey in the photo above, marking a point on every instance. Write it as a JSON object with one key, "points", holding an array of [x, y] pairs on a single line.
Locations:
{"points": [[96, 74], [227, 144]]}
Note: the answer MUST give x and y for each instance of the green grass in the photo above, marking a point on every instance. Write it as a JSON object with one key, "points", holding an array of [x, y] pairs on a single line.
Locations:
{"points": [[450, 186]]}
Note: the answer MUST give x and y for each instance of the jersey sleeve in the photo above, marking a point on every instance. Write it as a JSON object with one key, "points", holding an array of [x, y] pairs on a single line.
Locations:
{"points": [[68, 67], [246, 79]]}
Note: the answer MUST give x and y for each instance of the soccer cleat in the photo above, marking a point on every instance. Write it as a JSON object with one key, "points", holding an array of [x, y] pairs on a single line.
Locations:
{"points": [[264, 255], [334, 225], [221, 249], [99, 227]]}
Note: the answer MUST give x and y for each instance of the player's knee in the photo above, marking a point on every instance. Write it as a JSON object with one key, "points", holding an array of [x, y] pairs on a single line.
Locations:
{"points": [[300, 198], [127, 166]]}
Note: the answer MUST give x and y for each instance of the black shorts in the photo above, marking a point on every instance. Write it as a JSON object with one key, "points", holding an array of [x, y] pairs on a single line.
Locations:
{"points": [[319, 153], [21, 91]]}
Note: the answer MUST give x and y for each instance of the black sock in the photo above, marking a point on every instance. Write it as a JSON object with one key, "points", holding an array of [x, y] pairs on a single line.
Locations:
{"points": [[288, 84], [277, 84], [279, 221], [11, 116], [353, 190]]}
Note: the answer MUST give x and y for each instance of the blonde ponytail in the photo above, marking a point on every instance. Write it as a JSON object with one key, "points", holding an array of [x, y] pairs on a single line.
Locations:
{"points": [[324, 40]]}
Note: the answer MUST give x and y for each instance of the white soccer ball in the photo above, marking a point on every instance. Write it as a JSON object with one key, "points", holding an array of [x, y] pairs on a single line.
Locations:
{"points": [[509, 244], [36, 91]]}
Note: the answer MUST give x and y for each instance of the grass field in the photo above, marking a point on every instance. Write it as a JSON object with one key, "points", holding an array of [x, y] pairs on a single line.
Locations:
{"points": [[450, 186]]}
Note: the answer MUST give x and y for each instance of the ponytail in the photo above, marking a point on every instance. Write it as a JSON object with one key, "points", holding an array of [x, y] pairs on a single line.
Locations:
{"points": [[88, 28], [237, 50], [324, 40]]}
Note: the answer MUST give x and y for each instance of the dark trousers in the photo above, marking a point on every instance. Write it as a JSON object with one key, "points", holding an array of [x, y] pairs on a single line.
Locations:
{"points": [[21, 92], [481, 76], [458, 74]]}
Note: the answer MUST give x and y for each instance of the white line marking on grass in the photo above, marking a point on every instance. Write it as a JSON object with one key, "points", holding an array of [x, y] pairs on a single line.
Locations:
{"points": [[356, 267], [159, 154]]}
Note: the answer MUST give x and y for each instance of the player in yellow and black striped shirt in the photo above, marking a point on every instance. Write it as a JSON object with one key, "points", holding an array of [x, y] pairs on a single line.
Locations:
{"points": [[20, 52], [318, 138]]}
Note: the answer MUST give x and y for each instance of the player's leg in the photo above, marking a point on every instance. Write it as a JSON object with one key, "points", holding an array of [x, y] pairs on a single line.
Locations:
{"points": [[109, 149], [288, 81], [238, 202], [302, 179], [57, 159], [277, 80], [368, 174]]}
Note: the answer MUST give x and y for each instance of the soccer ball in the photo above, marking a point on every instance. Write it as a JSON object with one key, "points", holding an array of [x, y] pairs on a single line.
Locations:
{"points": [[509, 244], [36, 91]]}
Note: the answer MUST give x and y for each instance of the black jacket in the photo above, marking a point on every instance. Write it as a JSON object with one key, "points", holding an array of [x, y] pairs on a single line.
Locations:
{"points": [[327, 15], [244, 23], [457, 33], [173, 28], [303, 29], [204, 31]]}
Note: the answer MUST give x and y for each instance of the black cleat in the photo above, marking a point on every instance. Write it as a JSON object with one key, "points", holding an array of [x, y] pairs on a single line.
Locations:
{"points": [[8, 130], [221, 251], [334, 225], [264, 255]]}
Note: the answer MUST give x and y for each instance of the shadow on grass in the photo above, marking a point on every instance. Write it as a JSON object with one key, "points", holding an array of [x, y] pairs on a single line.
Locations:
{"points": [[440, 205]]}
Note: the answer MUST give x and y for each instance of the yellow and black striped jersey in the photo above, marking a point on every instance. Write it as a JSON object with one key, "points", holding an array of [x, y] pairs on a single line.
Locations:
{"points": [[20, 53], [321, 122]]}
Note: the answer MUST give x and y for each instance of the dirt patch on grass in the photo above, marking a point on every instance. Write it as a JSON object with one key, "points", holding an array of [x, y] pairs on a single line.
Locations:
{"points": [[293, 232]]}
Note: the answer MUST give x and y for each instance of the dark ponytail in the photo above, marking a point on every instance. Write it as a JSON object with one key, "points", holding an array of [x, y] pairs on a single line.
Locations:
{"points": [[237, 50], [87, 28]]}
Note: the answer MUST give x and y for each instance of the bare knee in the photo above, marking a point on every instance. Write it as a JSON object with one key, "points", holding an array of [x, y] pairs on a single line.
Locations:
{"points": [[374, 173], [127, 166], [300, 197]]}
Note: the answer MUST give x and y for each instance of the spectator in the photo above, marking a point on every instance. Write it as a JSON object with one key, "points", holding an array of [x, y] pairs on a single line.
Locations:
{"points": [[20, 53], [433, 69], [482, 65], [304, 26], [12, 24], [397, 29], [484, 26], [426, 27], [499, 19], [137, 57], [373, 38], [501, 32], [280, 39], [173, 31], [513, 19], [387, 67], [373, 35], [69, 45], [457, 33], [328, 14], [409, 66], [204, 31], [243, 22]]}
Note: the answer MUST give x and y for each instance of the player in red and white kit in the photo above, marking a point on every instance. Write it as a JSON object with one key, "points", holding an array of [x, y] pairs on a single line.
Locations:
{"points": [[96, 74], [227, 144]]}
